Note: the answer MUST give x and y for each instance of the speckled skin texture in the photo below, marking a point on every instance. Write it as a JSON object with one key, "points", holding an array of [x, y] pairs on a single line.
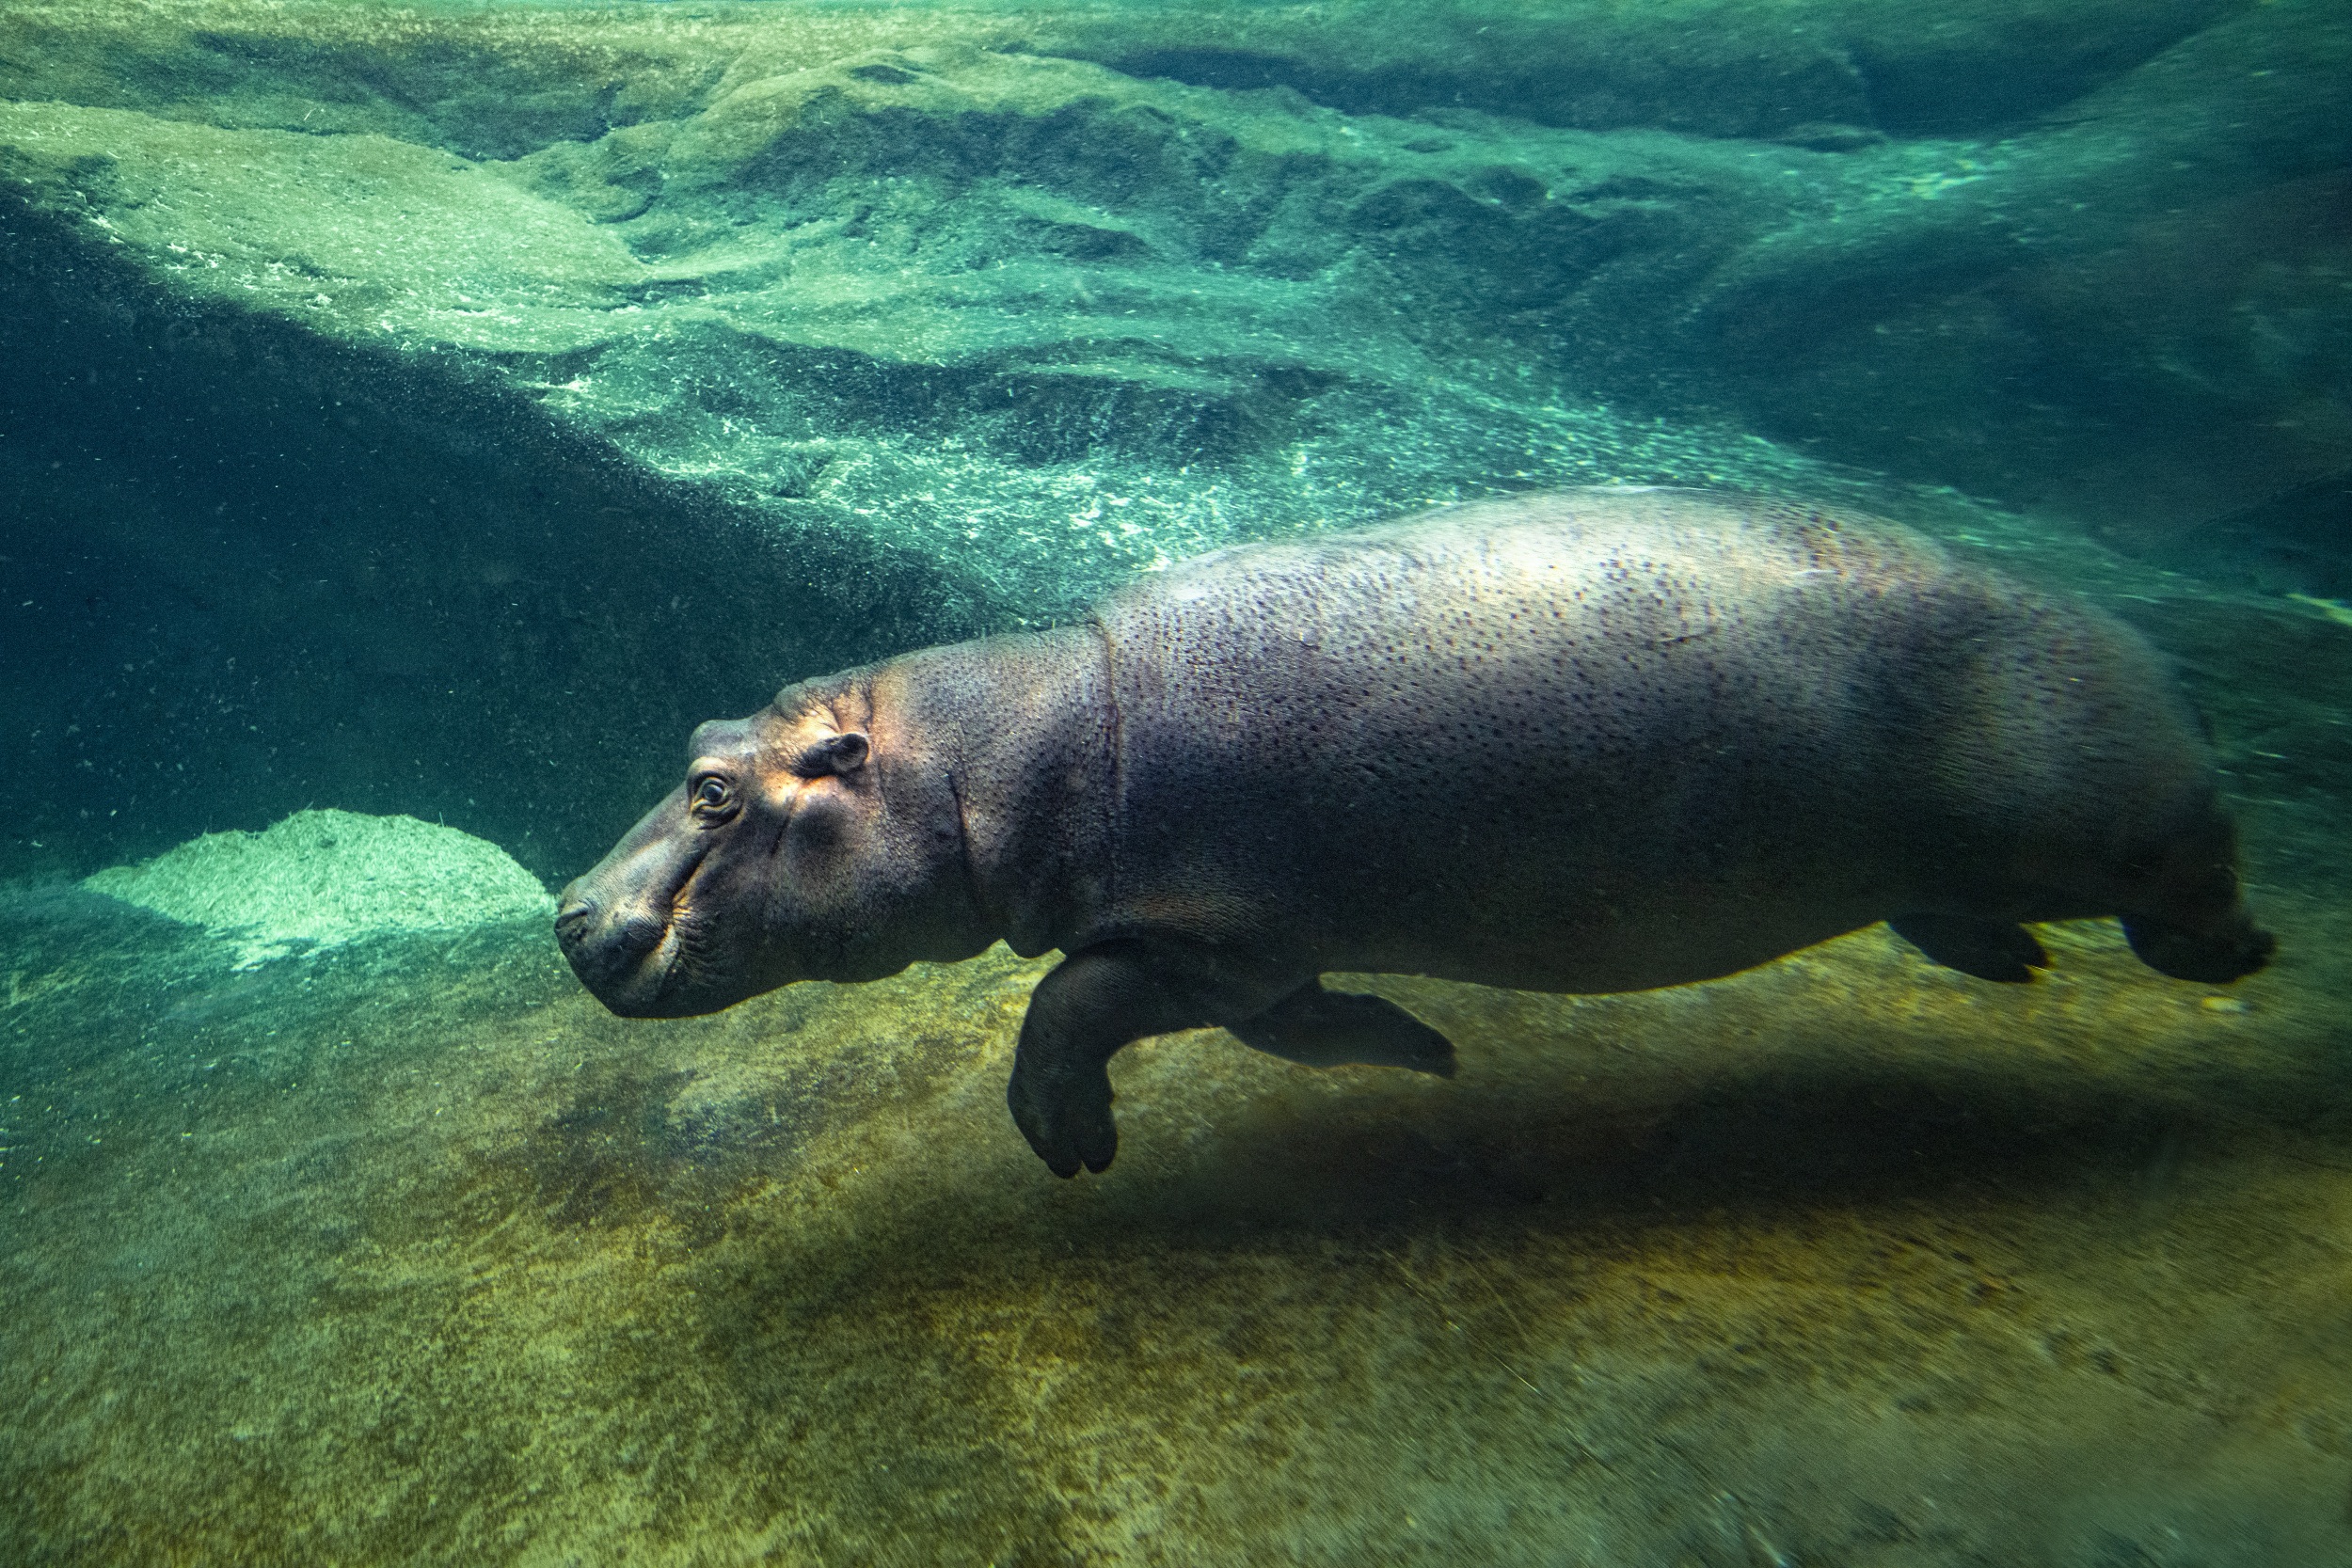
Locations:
{"points": [[1590, 741]]}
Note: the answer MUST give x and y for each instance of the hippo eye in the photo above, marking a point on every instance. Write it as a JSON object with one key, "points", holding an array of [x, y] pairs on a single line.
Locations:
{"points": [[712, 798]]}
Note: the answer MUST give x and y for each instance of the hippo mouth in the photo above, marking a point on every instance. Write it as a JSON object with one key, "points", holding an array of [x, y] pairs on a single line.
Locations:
{"points": [[627, 963], [640, 950]]}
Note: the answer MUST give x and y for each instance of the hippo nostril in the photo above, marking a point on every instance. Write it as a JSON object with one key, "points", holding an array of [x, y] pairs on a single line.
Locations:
{"points": [[572, 920]]}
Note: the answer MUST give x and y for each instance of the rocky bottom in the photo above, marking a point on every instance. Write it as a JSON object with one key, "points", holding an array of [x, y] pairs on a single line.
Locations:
{"points": [[405, 1251]]}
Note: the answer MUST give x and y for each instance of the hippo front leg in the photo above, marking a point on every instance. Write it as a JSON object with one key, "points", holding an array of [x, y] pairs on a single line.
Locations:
{"points": [[1092, 1004]]}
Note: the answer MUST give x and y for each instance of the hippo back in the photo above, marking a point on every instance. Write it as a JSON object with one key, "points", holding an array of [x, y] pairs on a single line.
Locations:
{"points": [[1611, 739]]}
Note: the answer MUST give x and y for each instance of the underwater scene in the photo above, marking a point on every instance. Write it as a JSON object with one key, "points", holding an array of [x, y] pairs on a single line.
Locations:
{"points": [[1765, 982]]}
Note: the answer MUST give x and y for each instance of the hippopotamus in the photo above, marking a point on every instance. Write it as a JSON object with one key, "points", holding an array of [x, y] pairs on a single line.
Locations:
{"points": [[1589, 741]]}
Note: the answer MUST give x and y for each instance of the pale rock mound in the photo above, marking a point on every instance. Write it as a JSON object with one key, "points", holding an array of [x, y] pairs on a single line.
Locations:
{"points": [[320, 879]]}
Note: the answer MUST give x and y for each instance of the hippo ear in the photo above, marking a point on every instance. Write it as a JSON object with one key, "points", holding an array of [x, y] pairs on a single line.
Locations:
{"points": [[836, 753]]}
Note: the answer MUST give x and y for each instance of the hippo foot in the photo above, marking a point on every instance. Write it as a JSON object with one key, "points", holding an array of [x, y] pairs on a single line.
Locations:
{"points": [[1338, 1029], [2232, 950], [1066, 1115], [1988, 949]]}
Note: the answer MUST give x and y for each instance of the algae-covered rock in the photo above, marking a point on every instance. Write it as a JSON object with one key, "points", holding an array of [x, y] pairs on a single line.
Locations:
{"points": [[321, 878], [2132, 312], [498, 80], [1723, 68]]}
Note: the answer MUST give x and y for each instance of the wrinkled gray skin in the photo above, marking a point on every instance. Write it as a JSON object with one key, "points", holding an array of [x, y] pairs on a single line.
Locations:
{"points": [[1593, 741]]}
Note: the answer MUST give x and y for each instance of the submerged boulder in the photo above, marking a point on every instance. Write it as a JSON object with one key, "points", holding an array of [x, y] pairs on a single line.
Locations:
{"points": [[321, 878]]}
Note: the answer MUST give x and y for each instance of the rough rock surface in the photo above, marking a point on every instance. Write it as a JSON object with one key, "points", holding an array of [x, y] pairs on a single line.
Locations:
{"points": [[322, 879]]}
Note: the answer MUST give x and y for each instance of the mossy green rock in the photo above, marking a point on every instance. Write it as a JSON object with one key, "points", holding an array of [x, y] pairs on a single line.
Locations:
{"points": [[1026, 319], [321, 878], [945, 283]]}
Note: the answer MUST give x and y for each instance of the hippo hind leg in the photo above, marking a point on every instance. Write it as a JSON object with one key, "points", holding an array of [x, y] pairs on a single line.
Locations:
{"points": [[1988, 949], [2231, 950], [1335, 1028]]}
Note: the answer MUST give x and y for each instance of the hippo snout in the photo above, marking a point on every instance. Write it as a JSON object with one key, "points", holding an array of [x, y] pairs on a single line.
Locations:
{"points": [[611, 950], [572, 918]]}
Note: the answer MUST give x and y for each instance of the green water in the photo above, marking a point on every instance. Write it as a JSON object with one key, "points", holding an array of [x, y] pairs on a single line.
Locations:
{"points": [[414, 420]]}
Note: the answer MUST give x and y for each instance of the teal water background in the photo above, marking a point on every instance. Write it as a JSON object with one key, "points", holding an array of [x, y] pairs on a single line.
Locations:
{"points": [[414, 419]]}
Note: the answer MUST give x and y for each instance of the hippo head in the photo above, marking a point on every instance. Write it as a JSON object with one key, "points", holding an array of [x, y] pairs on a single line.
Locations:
{"points": [[811, 841]]}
